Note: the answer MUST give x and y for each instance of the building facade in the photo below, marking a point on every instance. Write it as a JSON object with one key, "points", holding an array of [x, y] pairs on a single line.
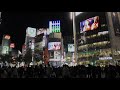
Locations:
{"points": [[55, 48], [94, 39], [41, 41]]}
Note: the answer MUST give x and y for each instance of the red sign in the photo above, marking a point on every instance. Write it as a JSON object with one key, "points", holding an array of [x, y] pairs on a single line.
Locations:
{"points": [[7, 37], [12, 45]]}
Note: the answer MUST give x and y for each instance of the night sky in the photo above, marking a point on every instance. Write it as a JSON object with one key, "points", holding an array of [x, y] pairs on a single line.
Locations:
{"points": [[15, 24]]}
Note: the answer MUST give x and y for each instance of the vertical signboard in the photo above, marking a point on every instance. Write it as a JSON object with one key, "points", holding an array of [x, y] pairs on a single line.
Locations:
{"points": [[57, 55], [54, 26]]}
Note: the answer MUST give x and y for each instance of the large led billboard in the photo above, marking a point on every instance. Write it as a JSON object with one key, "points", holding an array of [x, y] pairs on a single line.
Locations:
{"points": [[54, 45], [89, 24], [31, 32]]}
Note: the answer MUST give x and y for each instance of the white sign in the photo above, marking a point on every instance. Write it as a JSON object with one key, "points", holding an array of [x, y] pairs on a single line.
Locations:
{"points": [[54, 45], [104, 32], [57, 55], [71, 48], [54, 59], [105, 58], [31, 32], [44, 41], [32, 46], [5, 50]]}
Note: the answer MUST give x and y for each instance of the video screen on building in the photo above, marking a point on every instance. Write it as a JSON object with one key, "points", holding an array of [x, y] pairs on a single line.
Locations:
{"points": [[89, 24], [54, 45]]}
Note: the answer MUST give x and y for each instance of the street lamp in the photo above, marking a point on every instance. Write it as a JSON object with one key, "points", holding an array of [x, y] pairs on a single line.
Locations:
{"points": [[72, 16]]}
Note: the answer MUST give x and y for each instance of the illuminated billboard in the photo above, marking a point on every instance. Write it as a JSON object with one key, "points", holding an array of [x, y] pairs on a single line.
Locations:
{"points": [[54, 26], [31, 32], [54, 45], [71, 48], [89, 24]]}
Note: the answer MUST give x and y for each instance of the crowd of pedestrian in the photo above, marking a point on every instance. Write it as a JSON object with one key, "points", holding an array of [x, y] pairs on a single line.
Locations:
{"points": [[43, 71]]}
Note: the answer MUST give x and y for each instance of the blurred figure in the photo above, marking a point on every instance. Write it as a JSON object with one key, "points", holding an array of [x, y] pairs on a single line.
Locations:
{"points": [[14, 72], [4, 73], [65, 72], [48, 71]]}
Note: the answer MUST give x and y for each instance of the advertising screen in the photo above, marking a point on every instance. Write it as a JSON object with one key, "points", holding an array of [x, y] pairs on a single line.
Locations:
{"points": [[89, 24], [54, 45], [31, 32]]}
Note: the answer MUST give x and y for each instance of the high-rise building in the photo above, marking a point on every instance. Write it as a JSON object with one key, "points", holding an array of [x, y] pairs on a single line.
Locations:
{"points": [[30, 37], [97, 37], [55, 47], [41, 40], [30, 40], [55, 43]]}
